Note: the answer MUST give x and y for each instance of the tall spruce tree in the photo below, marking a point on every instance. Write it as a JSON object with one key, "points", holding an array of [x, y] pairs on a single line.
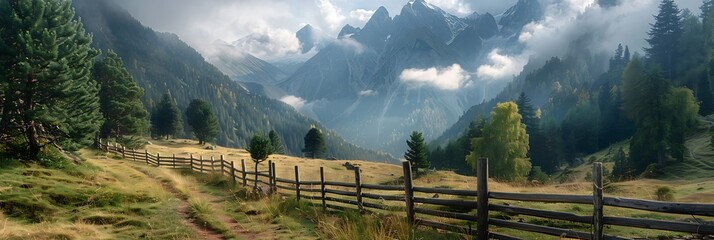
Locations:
{"points": [[314, 143], [275, 142], [48, 95], [120, 99], [694, 54], [645, 101], [535, 139], [417, 153], [202, 120], [663, 38], [166, 118]]}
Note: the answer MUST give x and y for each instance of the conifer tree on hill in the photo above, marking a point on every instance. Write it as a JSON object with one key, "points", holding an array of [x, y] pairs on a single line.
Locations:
{"points": [[417, 153], [314, 144], [120, 99], [166, 118], [663, 38], [48, 95], [202, 120]]}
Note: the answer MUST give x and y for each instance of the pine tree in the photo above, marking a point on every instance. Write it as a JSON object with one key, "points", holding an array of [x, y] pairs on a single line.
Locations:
{"points": [[314, 144], [626, 56], [275, 142], [535, 139], [166, 118], [120, 99], [259, 149], [694, 55], [706, 8], [417, 152], [645, 101], [203, 122], [664, 36], [48, 96]]}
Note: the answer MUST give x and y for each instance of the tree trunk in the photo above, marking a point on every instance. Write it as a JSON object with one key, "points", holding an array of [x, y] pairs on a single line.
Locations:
{"points": [[167, 137], [30, 124], [32, 140]]}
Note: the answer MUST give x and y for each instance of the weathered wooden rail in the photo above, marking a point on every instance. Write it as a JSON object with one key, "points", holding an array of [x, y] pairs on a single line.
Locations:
{"points": [[340, 195]]}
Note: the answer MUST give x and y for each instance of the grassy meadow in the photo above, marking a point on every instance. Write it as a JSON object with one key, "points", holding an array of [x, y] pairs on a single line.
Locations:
{"points": [[106, 197]]}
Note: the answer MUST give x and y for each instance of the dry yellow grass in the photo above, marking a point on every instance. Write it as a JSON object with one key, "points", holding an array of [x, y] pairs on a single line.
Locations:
{"points": [[698, 190]]}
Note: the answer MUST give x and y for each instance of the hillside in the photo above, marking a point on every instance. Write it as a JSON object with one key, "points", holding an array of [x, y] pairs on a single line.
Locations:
{"points": [[108, 198], [161, 62]]}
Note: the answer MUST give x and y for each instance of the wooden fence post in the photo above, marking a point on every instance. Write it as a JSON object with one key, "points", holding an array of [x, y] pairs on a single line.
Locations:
{"points": [[275, 182], [190, 161], [133, 154], [233, 173], [358, 187], [597, 202], [270, 176], [213, 165], [482, 199], [173, 157], [222, 168], [116, 147], [297, 183], [100, 143], [322, 188], [408, 191], [158, 160], [123, 152], [146, 156], [242, 165], [200, 166]]}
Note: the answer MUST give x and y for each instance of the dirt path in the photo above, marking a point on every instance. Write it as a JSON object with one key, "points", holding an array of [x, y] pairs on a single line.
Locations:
{"points": [[184, 209], [215, 202]]}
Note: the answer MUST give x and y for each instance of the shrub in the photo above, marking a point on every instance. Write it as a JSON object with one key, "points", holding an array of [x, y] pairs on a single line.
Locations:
{"points": [[538, 175], [664, 194]]}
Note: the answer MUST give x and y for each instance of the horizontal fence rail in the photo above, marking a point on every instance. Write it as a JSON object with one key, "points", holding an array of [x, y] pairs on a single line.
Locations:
{"points": [[414, 200]]}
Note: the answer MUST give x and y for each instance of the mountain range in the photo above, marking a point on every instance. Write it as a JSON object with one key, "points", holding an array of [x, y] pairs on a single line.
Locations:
{"points": [[371, 84], [161, 63]]}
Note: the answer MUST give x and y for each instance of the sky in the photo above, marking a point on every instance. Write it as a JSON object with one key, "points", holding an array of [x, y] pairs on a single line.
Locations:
{"points": [[271, 24]]}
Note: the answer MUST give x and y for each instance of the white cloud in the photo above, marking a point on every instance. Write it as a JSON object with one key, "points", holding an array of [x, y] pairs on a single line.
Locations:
{"points": [[296, 102], [362, 15], [368, 92], [331, 13], [501, 67], [351, 44], [269, 43], [456, 6], [450, 78]]}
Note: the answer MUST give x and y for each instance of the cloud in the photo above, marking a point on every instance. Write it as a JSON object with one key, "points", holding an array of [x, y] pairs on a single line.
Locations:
{"points": [[368, 92], [331, 13], [449, 78], [362, 15], [456, 6], [351, 44], [583, 24], [296, 102], [501, 67], [269, 43]]}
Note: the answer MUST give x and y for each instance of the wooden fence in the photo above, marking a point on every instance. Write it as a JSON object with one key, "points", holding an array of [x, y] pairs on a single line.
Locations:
{"points": [[331, 194]]}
